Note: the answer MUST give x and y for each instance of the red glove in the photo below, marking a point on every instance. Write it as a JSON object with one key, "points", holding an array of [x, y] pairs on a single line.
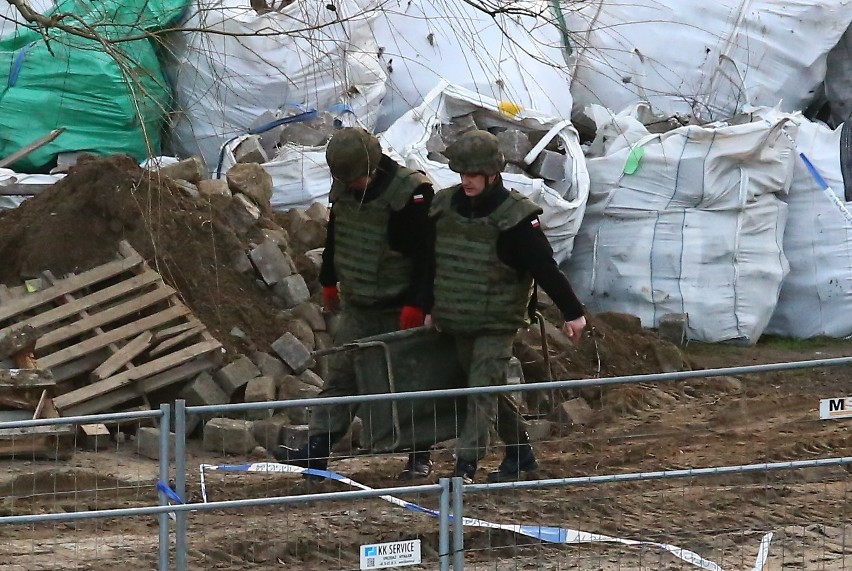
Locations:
{"points": [[410, 316], [330, 297]]}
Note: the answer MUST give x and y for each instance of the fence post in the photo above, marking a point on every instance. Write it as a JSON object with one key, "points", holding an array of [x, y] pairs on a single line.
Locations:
{"points": [[180, 483], [458, 524], [444, 525], [165, 411]]}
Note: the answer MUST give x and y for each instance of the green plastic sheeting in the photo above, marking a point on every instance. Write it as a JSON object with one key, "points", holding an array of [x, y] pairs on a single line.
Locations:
{"points": [[110, 96]]}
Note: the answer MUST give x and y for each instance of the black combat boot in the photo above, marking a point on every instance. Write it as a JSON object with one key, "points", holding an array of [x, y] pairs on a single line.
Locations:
{"points": [[419, 466], [518, 462], [314, 455], [466, 470]]}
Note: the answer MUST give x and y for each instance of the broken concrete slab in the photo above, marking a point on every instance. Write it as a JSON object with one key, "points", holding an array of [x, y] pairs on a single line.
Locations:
{"points": [[515, 145], [301, 331], [267, 431], [191, 170], [272, 264], [250, 150], [292, 290], [147, 443], [270, 366], [260, 389], [539, 430], [252, 180], [295, 436], [572, 412], [213, 187], [318, 212], [242, 213], [549, 165], [302, 134], [673, 328], [311, 313]]}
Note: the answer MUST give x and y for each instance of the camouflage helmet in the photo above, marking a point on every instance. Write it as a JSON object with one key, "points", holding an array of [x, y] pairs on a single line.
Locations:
{"points": [[352, 153], [476, 152]]}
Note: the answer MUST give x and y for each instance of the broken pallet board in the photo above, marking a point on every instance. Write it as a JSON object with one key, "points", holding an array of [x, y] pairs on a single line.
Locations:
{"points": [[120, 323]]}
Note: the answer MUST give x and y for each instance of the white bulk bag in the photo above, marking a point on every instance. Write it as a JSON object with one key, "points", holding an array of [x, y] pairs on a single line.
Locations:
{"points": [[816, 296], [505, 57], [563, 206], [696, 229], [233, 65], [702, 58]]}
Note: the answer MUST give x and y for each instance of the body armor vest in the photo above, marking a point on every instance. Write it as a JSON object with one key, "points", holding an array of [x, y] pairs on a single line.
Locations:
{"points": [[370, 272], [475, 291]]}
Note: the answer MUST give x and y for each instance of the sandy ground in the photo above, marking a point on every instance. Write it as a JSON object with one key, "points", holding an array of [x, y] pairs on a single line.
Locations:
{"points": [[765, 418]]}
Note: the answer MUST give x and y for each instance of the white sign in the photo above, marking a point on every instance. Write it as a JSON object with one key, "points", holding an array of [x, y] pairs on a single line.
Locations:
{"points": [[840, 407], [394, 554]]}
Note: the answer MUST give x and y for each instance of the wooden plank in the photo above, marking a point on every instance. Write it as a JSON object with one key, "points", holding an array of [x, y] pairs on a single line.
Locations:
{"points": [[36, 447], [9, 433], [5, 295], [22, 379], [96, 320], [175, 341], [39, 409], [68, 285], [17, 402], [156, 382], [83, 394], [70, 370], [117, 334], [164, 334], [67, 310], [133, 348]]}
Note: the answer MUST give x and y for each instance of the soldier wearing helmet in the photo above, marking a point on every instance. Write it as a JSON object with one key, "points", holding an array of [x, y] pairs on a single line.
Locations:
{"points": [[377, 252], [489, 251]]}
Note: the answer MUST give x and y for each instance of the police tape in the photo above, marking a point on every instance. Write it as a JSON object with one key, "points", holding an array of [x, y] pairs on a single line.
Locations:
{"points": [[556, 535]]}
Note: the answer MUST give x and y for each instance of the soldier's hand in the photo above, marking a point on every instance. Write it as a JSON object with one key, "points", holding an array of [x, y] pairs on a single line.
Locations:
{"points": [[330, 298], [574, 329]]}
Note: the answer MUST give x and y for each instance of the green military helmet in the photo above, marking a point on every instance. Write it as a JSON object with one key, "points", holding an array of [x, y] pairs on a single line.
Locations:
{"points": [[352, 153], [476, 152]]}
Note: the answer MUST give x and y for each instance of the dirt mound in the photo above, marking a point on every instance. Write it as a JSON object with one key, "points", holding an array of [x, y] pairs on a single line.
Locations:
{"points": [[77, 224]]}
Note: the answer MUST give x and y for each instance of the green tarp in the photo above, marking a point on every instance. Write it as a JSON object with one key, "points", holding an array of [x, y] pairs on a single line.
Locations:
{"points": [[110, 95]]}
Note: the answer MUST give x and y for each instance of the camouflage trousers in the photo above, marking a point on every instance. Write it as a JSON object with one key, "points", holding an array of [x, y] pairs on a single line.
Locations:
{"points": [[355, 323], [485, 359]]}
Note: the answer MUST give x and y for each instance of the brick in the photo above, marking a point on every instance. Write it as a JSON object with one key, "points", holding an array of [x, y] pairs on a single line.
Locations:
{"points": [[148, 443], [260, 389], [311, 313], [94, 437], [213, 187], [267, 431], [203, 390], [573, 412], [515, 145], [549, 165], [458, 126], [673, 326], [272, 264], [311, 235], [250, 150], [270, 366], [301, 331], [191, 170], [229, 436], [251, 180], [539, 430], [294, 436], [293, 352], [292, 290], [302, 134], [242, 213], [318, 212], [235, 375], [310, 378]]}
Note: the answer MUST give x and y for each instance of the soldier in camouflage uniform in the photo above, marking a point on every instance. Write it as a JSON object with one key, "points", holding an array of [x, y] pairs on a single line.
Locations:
{"points": [[488, 250], [377, 250]]}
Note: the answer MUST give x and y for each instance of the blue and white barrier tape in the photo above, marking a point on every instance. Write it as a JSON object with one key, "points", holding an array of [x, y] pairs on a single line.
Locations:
{"points": [[542, 533]]}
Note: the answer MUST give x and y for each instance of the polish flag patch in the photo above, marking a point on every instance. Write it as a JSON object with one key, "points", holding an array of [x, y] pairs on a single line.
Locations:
{"points": [[535, 223], [418, 198]]}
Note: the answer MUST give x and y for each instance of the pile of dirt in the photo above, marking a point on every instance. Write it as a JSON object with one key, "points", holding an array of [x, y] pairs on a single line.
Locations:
{"points": [[77, 224]]}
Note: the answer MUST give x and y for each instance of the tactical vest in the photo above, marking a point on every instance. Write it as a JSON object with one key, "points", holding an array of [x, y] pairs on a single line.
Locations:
{"points": [[370, 272], [474, 291]]}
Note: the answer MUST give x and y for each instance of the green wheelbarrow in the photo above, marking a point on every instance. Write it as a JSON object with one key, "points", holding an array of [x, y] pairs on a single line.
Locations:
{"points": [[418, 359]]}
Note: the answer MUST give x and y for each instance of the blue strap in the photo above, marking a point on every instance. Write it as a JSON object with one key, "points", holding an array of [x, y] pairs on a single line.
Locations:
{"points": [[306, 116], [17, 64]]}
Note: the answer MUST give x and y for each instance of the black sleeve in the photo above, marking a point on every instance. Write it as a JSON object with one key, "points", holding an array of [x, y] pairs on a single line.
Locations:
{"points": [[327, 274], [408, 231], [525, 248]]}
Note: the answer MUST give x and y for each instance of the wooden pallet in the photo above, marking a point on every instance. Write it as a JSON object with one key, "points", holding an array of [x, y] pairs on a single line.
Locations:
{"points": [[118, 324]]}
